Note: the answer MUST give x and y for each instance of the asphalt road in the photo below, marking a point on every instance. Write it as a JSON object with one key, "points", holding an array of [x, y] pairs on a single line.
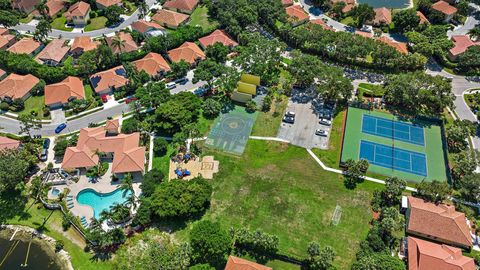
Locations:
{"points": [[96, 33]]}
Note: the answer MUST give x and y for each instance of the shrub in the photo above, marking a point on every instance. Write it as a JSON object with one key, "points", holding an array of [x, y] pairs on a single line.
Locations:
{"points": [[211, 108], [4, 106], [160, 146], [267, 103], [58, 245], [251, 106], [210, 243]]}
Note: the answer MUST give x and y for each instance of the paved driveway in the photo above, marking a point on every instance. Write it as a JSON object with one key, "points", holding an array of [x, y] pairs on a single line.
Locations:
{"points": [[302, 132]]}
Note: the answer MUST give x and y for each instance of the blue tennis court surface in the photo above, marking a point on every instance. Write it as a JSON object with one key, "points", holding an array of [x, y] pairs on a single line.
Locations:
{"points": [[393, 158], [393, 129]]}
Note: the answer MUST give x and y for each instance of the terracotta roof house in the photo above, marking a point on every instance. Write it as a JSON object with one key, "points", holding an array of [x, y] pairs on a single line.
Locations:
{"points": [[7, 143], [424, 255], [349, 4], [153, 64], [322, 24], [440, 223], [461, 44], [422, 17], [383, 16], [112, 126], [83, 44], [103, 4], [169, 19], [127, 155], [287, 3], [297, 15], [189, 52], [27, 46], [399, 46], [235, 263], [148, 29], [59, 94], [217, 36], [182, 6], [78, 13], [3, 74], [6, 40], [54, 7], [446, 9], [54, 53], [128, 44], [4, 31], [17, 86], [104, 82], [364, 34], [26, 6]]}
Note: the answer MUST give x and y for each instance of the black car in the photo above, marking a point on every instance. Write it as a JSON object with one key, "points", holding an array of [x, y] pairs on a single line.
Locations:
{"points": [[289, 119], [46, 143]]}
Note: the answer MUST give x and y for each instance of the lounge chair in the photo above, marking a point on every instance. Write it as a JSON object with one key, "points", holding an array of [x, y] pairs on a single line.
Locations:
{"points": [[70, 206]]}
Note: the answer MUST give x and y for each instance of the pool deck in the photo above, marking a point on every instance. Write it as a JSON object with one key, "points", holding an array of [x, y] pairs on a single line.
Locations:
{"points": [[104, 185]]}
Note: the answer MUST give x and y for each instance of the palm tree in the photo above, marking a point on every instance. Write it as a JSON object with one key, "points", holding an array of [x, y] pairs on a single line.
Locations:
{"points": [[474, 33], [131, 201], [105, 215], [118, 43], [127, 184]]}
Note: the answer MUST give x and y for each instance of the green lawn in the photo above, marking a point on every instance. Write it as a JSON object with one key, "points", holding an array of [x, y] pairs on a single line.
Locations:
{"points": [[59, 23], [267, 123], [200, 17], [370, 90], [162, 163], [281, 190], [88, 92], [95, 24], [27, 19], [36, 215], [34, 103], [347, 20]]}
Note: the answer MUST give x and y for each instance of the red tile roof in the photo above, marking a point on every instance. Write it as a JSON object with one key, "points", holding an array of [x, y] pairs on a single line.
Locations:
{"points": [[399, 46], [107, 3], [287, 3], [17, 86], [62, 92], [84, 44], [129, 44], [349, 4], [153, 64], [217, 36], [170, 18], [235, 263], [114, 77], [2, 72], [188, 5], [25, 5], [54, 7], [444, 7], [7, 143], [143, 26], [127, 155], [55, 50], [461, 44], [439, 222], [25, 45], [422, 17], [6, 39], [322, 24], [297, 13], [189, 52], [382, 16], [424, 255], [78, 9]]}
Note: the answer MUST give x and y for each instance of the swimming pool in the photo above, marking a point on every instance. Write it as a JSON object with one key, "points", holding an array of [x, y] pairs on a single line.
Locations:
{"points": [[101, 201]]}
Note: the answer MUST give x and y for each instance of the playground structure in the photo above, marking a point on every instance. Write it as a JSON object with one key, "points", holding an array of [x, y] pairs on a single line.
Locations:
{"points": [[246, 88], [186, 165]]}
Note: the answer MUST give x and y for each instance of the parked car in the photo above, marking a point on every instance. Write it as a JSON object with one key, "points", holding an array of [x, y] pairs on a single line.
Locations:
{"points": [[320, 132], [60, 128], [200, 91], [44, 155], [130, 99], [46, 143], [290, 114], [183, 80], [325, 122], [104, 98], [171, 85], [289, 119]]}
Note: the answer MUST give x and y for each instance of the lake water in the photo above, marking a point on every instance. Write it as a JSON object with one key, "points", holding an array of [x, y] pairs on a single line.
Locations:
{"points": [[37, 259], [385, 3]]}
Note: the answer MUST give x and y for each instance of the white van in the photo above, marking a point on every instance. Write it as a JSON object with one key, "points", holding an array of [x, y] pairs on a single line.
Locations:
{"points": [[171, 85]]}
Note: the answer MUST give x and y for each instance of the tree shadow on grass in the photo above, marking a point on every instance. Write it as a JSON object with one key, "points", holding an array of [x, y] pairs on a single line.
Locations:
{"points": [[12, 204]]}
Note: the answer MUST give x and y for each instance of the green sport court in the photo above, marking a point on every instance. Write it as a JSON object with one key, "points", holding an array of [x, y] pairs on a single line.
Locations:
{"points": [[230, 131], [409, 150]]}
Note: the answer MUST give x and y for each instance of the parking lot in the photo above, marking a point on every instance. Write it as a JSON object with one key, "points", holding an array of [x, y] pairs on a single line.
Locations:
{"points": [[307, 108]]}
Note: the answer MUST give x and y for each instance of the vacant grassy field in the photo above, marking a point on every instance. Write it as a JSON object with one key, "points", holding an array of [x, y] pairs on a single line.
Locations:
{"points": [[59, 23], [267, 123], [52, 226], [95, 24], [200, 17], [280, 189]]}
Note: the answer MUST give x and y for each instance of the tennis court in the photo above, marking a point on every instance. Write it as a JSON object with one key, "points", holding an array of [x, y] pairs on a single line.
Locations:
{"points": [[230, 131], [411, 150], [393, 129], [393, 158]]}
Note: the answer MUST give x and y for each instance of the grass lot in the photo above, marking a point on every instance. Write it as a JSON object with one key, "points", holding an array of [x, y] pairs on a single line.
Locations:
{"points": [[280, 189], [34, 103], [96, 23], [162, 163], [204, 125], [268, 122], [370, 90], [59, 23], [347, 20], [74, 244], [27, 19], [200, 17]]}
